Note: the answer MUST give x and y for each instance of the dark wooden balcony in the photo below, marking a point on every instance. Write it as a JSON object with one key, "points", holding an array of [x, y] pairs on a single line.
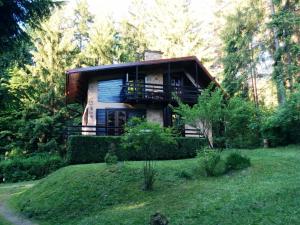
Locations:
{"points": [[102, 130], [140, 92]]}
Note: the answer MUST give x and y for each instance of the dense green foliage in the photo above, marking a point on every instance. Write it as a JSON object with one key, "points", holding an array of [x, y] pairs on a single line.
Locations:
{"points": [[150, 139], [242, 124], [240, 57], [89, 149], [235, 122], [211, 163], [235, 161], [30, 168], [113, 196], [283, 126]]}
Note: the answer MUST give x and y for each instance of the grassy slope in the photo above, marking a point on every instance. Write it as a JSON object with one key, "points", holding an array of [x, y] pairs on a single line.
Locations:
{"points": [[8, 190], [266, 193]]}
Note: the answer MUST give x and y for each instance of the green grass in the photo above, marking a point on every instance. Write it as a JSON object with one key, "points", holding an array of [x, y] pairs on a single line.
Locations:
{"points": [[266, 193], [3, 221]]}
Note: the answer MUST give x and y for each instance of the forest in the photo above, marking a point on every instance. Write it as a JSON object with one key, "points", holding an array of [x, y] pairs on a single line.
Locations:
{"points": [[252, 47]]}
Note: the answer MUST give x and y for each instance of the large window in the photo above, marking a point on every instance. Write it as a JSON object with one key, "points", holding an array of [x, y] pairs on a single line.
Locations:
{"points": [[112, 121], [110, 90]]}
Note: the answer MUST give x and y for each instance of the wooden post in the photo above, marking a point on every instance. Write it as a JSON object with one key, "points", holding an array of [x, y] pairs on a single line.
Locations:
{"points": [[169, 82], [136, 81]]}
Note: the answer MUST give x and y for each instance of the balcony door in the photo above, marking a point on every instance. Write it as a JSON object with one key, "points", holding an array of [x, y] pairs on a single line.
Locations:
{"points": [[115, 121]]}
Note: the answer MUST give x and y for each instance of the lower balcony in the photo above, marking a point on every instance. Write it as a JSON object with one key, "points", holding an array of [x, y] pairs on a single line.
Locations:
{"points": [[100, 130]]}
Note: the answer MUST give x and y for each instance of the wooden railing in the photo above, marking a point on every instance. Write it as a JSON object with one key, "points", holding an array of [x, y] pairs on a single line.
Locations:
{"points": [[101, 130], [141, 91]]}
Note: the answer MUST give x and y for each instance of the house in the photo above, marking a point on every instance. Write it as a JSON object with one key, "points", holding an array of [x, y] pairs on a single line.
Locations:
{"points": [[112, 94]]}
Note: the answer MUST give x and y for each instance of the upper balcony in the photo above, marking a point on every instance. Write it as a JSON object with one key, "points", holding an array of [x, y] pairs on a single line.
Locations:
{"points": [[141, 92]]}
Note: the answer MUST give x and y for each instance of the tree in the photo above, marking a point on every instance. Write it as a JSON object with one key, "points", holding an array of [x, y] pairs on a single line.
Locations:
{"points": [[285, 24], [82, 23], [15, 15], [148, 138], [240, 58], [169, 26], [36, 124], [206, 114]]}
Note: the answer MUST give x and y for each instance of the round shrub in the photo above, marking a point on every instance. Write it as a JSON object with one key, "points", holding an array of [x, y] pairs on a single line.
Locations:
{"points": [[235, 161], [210, 163]]}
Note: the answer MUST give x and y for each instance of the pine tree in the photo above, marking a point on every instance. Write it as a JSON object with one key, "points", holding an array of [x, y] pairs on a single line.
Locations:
{"points": [[239, 58], [169, 26], [285, 23]]}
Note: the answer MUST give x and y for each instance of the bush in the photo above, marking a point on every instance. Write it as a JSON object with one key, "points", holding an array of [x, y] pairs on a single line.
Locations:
{"points": [[242, 124], [235, 161], [110, 157], [185, 174], [92, 149], [31, 168], [210, 163], [282, 126]]}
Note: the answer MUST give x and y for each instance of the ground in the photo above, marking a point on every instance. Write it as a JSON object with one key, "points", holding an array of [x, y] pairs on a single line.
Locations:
{"points": [[266, 193]]}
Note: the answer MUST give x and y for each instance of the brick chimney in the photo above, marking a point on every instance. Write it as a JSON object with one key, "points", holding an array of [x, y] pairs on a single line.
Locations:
{"points": [[152, 55]]}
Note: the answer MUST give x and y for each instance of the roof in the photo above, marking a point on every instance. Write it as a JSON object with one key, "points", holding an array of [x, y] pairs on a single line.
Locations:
{"points": [[76, 78]]}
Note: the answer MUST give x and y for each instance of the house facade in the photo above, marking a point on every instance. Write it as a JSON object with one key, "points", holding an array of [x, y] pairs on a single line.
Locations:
{"points": [[112, 94]]}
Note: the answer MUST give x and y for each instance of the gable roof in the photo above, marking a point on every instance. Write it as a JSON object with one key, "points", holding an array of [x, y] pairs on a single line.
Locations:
{"points": [[77, 79]]}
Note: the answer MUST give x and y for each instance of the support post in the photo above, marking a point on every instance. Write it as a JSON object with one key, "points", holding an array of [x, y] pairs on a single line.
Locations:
{"points": [[169, 82], [136, 81]]}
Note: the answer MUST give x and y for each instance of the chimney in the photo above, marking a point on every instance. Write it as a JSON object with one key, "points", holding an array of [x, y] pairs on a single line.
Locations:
{"points": [[152, 55]]}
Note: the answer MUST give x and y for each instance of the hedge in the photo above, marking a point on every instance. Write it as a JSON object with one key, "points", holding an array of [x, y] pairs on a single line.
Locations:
{"points": [[92, 149], [31, 168]]}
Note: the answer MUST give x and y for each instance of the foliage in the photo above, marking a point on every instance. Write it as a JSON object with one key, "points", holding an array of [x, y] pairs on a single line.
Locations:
{"points": [[282, 126], [240, 58], [235, 161], [169, 26], [242, 124], [110, 157], [147, 137], [205, 114], [15, 15], [210, 163], [284, 23], [150, 139], [89, 149], [30, 168]]}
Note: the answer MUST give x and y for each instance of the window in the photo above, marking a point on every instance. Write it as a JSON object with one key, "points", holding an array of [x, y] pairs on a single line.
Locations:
{"points": [[110, 90]]}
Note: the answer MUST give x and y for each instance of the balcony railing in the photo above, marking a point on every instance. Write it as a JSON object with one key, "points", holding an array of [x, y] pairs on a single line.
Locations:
{"points": [[141, 91], [101, 130]]}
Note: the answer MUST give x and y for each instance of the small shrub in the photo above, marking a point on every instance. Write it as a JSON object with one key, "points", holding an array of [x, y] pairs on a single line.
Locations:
{"points": [[210, 163], [235, 161], [220, 168], [149, 176], [185, 174], [110, 157]]}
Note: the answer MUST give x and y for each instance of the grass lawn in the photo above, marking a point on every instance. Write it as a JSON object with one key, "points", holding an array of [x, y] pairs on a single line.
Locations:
{"points": [[266, 193], [3, 221]]}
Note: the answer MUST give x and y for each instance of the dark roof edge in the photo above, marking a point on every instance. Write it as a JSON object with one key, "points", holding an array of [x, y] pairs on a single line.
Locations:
{"points": [[124, 65]]}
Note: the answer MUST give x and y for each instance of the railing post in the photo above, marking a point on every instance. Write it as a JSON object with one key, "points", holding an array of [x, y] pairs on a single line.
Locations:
{"points": [[136, 80], [168, 94]]}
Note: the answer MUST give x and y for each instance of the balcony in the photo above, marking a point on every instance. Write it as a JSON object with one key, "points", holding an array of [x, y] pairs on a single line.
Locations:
{"points": [[140, 92], [102, 130]]}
